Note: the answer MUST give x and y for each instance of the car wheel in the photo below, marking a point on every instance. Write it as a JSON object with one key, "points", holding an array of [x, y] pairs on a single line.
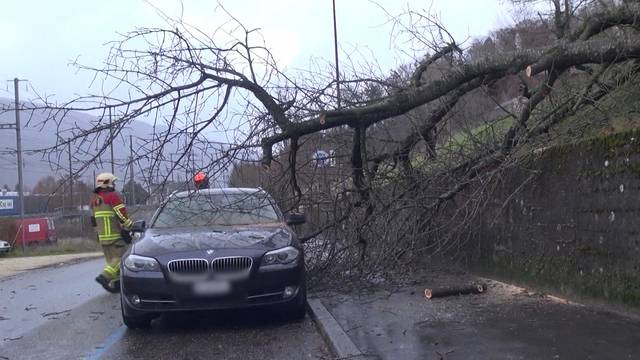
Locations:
{"points": [[299, 309], [134, 322]]}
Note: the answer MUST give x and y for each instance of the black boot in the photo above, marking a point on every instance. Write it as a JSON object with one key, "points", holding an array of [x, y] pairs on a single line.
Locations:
{"points": [[102, 280], [115, 285]]}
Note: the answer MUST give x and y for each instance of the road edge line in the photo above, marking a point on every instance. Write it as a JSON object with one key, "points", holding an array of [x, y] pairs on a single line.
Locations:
{"points": [[340, 343], [101, 349]]}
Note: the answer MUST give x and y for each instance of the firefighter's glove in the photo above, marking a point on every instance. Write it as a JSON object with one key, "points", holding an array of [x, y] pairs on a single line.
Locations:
{"points": [[126, 236]]}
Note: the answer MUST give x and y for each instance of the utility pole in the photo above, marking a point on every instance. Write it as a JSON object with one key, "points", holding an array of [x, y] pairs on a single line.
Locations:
{"points": [[335, 47], [18, 129], [113, 171], [70, 176], [16, 81], [133, 188]]}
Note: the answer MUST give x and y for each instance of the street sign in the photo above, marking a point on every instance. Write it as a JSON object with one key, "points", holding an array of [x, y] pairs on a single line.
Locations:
{"points": [[6, 204], [9, 206], [322, 158]]}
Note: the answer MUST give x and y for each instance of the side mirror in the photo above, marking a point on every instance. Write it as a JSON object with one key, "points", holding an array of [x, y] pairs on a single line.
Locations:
{"points": [[295, 219], [139, 226]]}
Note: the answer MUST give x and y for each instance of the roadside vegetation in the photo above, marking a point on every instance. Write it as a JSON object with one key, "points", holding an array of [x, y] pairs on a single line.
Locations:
{"points": [[63, 246]]}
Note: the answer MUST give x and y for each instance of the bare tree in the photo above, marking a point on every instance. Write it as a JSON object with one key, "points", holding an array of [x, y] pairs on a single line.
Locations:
{"points": [[378, 199]]}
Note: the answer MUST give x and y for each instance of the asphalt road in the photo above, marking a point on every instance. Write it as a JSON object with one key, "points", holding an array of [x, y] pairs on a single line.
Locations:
{"points": [[61, 313], [504, 323]]}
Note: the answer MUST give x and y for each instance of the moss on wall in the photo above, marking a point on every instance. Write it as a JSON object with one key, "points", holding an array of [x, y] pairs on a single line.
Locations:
{"points": [[577, 227]]}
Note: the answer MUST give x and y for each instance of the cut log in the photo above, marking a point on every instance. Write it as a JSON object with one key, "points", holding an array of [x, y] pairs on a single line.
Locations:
{"points": [[452, 291]]}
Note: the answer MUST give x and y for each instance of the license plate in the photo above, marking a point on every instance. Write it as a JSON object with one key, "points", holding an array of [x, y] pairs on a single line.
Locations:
{"points": [[212, 288]]}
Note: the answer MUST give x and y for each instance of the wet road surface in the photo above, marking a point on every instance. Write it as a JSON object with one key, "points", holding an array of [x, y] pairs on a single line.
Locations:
{"points": [[61, 313], [503, 323]]}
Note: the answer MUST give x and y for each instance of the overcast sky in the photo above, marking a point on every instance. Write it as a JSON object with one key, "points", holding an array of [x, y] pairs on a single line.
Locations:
{"points": [[40, 38]]}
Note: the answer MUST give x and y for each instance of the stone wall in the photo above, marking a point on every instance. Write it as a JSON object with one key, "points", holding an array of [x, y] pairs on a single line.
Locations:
{"points": [[575, 224]]}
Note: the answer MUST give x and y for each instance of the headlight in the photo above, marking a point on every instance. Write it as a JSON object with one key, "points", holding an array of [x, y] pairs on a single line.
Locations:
{"points": [[285, 256], [141, 263]]}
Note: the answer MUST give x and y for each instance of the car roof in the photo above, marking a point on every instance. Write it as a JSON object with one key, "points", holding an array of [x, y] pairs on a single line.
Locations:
{"points": [[219, 191]]}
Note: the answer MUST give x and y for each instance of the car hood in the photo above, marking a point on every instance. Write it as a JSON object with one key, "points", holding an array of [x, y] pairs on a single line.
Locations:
{"points": [[156, 242]]}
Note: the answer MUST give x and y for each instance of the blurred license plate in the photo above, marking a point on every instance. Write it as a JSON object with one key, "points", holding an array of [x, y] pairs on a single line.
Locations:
{"points": [[212, 288]]}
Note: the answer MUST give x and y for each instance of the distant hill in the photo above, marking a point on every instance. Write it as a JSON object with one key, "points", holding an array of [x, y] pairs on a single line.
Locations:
{"points": [[38, 135]]}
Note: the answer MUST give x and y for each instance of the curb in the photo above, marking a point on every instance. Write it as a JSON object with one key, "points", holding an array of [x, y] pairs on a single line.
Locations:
{"points": [[339, 342]]}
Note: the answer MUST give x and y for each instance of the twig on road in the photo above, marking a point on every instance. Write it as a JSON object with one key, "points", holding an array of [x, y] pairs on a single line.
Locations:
{"points": [[353, 328], [12, 339], [55, 313], [445, 354]]}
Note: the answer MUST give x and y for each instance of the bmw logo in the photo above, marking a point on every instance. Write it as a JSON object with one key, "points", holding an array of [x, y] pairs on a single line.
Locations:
{"points": [[209, 252]]}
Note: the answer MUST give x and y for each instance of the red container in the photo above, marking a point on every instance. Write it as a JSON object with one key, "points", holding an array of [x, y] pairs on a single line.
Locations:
{"points": [[36, 231]]}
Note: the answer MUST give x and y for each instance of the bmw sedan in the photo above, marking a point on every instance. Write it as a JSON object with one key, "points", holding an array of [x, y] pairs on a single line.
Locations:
{"points": [[213, 249]]}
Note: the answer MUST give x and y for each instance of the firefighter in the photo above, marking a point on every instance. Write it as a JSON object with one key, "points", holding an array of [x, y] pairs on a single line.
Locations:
{"points": [[112, 225], [201, 180]]}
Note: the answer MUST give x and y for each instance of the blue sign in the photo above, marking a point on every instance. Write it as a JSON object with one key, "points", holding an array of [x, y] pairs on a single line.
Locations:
{"points": [[9, 205], [321, 157]]}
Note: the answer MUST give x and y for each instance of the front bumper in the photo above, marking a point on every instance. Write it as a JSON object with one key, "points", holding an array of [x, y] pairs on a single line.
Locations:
{"points": [[158, 293]]}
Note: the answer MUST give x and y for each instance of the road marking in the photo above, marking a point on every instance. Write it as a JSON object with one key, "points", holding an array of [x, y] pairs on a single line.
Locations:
{"points": [[109, 342]]}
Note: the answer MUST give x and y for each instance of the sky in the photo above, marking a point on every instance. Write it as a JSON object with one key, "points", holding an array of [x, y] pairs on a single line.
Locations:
{"points": [[41, 37]]}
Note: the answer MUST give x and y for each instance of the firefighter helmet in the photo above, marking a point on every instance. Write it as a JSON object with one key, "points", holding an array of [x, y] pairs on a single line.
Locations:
{"points": [[201, 180], [105, 180]]}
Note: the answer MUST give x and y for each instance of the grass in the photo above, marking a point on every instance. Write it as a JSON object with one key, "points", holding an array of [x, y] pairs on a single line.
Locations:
{"points": [[61, 248], [618, 111], [482, 134], [463, 144]]}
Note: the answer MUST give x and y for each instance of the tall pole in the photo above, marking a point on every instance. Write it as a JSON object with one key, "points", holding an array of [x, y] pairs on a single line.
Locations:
{"points": [[19, 150], [70, 176], [132, 187], [113, 171], [335, 47]]}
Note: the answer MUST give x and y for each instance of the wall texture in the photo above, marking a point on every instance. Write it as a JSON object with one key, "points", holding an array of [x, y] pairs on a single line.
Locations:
{"points": [[575, 223]]}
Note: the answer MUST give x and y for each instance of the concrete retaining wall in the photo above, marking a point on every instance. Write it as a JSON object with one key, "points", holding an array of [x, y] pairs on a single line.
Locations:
{"points": [[574, 227]]}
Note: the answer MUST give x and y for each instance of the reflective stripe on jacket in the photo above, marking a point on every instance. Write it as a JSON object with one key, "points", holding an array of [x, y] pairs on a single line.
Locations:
{"points": [[107, 225], [110, 214]]}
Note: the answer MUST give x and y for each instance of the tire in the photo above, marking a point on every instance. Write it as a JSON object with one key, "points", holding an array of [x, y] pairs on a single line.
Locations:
{"points": [[298, 310], [134, 322]]}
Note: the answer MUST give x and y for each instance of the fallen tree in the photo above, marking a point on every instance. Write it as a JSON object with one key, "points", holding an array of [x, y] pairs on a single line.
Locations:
{"points": [[192, 83]]}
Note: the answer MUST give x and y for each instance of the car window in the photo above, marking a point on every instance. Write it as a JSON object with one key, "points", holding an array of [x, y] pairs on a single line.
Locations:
{"points": [[216, 209]]}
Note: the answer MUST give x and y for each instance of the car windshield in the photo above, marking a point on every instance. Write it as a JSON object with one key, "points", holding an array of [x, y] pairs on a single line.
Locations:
{"points": [[216, 209]]}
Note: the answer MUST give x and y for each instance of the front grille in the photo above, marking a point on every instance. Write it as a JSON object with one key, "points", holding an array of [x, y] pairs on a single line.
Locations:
{"points": [[232, 264], [188, 266]]}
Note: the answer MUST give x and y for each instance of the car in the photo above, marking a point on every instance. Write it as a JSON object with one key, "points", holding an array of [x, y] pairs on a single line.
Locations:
{"points": [[5, 247], [214, 249]]}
